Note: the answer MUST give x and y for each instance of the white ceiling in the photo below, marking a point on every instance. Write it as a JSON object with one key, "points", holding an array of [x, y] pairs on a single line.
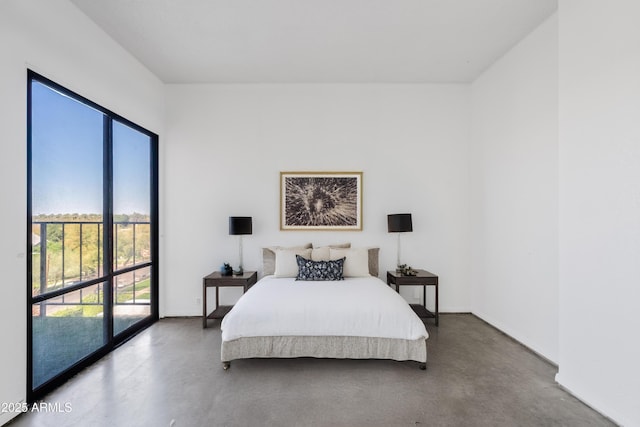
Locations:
{"points": [[317, 41]]}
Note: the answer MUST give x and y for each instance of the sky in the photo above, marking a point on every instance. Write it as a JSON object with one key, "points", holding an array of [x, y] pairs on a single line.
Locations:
{"points": [[67, 159]]}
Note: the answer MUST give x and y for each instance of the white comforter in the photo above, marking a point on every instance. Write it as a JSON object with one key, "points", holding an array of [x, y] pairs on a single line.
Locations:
{"points": [[362, 307]]}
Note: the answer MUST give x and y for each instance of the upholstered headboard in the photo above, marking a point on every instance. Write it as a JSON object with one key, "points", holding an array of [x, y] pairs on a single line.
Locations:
{"points": [[269, 257], [373, 261]]}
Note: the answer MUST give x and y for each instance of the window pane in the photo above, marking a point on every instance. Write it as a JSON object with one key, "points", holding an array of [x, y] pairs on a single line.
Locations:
{"points": [[131, 171], [66, 188], [66, 154], [131, 296], [65, 330], [131, 195]]}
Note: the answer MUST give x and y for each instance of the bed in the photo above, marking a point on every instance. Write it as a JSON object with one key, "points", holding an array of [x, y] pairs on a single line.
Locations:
{"points": [[359, 317]]}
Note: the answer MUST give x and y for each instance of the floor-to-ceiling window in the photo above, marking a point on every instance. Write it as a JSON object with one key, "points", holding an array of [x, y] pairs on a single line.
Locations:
{"points": [[92, 213]]}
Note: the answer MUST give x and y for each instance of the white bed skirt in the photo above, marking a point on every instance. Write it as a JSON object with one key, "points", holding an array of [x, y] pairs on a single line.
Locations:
{"points": [[335, 347]]}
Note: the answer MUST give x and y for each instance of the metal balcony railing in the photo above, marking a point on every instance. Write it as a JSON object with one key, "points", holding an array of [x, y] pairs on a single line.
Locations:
{"points": [[69, 255]]}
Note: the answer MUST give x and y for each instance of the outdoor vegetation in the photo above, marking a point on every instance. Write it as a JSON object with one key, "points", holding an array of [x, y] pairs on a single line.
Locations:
{"points": [[74, 247], [67, 249]]}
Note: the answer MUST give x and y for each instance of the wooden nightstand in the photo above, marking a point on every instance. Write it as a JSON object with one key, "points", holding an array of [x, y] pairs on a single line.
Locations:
{"points": [[424, 279], [215, 279]]}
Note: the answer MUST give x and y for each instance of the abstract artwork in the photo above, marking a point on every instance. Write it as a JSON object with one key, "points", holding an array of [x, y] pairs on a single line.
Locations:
{"points": [[321, 201]]}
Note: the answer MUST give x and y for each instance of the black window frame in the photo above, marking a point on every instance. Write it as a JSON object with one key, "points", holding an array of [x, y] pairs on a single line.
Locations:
{"points": [[112, 341]]}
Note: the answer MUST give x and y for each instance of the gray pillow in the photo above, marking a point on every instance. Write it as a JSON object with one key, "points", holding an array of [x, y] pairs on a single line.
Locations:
{"points": [[269, 257], [373, 261]]}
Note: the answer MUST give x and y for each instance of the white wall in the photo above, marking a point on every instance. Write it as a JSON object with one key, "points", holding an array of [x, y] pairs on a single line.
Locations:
{"points": [[53, 38], [514, 191], [226, 145], [600, 205]]}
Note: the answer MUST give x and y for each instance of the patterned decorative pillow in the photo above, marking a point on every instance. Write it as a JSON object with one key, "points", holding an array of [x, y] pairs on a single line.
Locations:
{"points": [[319, 270]]}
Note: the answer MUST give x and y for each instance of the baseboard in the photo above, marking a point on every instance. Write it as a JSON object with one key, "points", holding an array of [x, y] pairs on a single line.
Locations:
{"points": [[561, 383], [506, 334], [7, 417], [558, 377]]}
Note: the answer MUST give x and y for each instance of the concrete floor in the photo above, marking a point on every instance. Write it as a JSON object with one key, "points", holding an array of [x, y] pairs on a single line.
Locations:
{"points": [[171, 375]]}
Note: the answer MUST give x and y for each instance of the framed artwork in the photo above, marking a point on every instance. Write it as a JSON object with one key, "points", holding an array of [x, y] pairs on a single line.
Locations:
{"points": [[321, 201]]}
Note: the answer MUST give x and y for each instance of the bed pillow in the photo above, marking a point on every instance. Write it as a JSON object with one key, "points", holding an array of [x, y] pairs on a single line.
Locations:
{"points": [[319, 270], [356, 262], [286, 265], [269, 257], [321, 253], [336, 246], [373, 261]]}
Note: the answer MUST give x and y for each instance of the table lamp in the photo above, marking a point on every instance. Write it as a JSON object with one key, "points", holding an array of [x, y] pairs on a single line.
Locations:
{"points": [[399, 223], [239, 226]]}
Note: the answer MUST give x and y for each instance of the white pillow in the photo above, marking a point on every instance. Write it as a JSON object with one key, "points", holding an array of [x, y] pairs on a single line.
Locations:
{"points": [[320, 254], [356, 263], [286, 265]]}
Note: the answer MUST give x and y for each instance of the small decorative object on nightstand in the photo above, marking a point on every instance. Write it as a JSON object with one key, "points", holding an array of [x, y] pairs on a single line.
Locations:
{"points": [[226, 270], [419, 278], [217, 280], [406, 270]]}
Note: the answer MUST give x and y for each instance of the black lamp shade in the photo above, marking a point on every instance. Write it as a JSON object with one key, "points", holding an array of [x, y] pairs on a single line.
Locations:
{"points": [[240, 225], [399, 223]]}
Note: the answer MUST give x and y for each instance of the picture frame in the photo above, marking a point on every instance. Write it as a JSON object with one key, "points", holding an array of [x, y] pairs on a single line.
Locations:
{"points": [[321, 201]]}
